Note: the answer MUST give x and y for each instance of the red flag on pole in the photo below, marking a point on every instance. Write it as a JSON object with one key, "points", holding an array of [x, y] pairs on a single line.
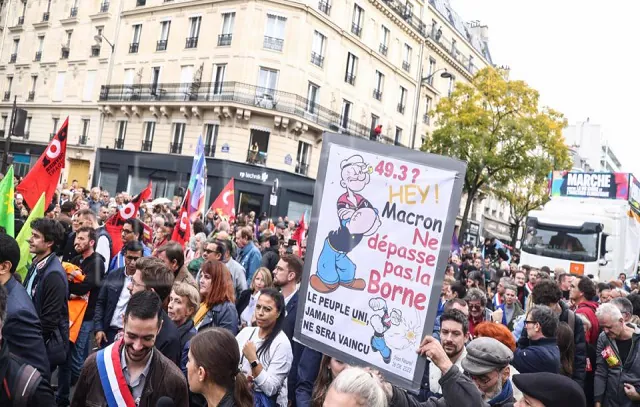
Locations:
{"points": [[114, 224], [225, 205], [182, 230], [298, 235], [45, 174]]}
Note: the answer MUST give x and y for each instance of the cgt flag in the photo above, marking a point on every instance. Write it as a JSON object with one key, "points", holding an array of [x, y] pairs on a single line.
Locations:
{"points": [[224, 205], [114, 224], [182, 230], [45, 174]]}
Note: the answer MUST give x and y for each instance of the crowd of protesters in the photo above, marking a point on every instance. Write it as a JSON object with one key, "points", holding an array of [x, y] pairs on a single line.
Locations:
{"points": [[210, 322]]}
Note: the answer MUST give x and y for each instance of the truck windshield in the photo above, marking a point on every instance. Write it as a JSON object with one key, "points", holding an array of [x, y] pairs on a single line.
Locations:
{"points": [[561, 244]]}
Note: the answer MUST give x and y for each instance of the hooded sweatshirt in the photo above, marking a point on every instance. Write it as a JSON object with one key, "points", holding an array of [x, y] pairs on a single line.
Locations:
{"points": [[588, 309]]}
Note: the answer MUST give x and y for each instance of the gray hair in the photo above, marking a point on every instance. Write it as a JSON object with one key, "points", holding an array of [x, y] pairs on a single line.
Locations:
{"points": [[361, 385], [610, 310], [476, 294], [511, 287], [192, 242], [623, 304], [507, 281], [223, 226]]}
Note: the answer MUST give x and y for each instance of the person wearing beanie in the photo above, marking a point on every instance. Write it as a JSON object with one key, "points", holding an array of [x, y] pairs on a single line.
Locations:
{"points": [[548, 390]]}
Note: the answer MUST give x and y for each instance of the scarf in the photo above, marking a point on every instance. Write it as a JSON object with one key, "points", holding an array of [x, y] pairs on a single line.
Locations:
{"points": [[202, 311], [505, 394]]}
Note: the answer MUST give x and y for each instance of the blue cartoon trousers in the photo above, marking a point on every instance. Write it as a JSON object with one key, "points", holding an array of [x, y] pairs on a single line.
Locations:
{"points": [[334, 266], [378, 344]]}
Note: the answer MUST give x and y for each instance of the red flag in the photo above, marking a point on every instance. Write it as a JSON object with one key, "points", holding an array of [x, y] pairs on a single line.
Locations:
{"points": [[147, 237], [224, 205], [114, 224], [45, 174], [298, 235], [182, 230]]}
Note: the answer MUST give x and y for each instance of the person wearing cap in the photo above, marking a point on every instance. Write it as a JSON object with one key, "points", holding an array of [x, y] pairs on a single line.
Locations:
{"points": [[546, 389], [270, 256], [617, 378], [280, 227], [358, 218]]}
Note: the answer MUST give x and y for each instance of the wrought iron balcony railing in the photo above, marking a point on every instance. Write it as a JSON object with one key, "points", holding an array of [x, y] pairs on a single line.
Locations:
{"points": [[175, 148], [191, 42], [31, 96], [118, 144], [161, 45], [38, 56], [224, 40], [147, 145], [275, 44], [104, 7], [325, 7]]}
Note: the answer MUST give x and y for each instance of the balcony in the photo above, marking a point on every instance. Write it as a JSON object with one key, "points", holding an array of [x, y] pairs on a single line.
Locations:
{"points": [[82, 140], [7, 96], [192, 42], [234, 94], [275, 44], [161, 45], [95, 51], [448, 47], [325, 7], [147, 145], [140, 3], [38, 56], [12, 58], [383, 49], [401, 108], [64, 54], [31, 96], [377, 94], [317, 59], [45, 17], [224, 40], [175, 148], [256, 157], [302, 168], [406, 66], [356, 29], [73, 12], [210, 151], [405, 13], [133, 47], [118, 144], [350, 79], [104, 7], [21, 20], [426, 119]]}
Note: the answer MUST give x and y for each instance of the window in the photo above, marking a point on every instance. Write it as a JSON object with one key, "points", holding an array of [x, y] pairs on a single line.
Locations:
{"points": [[374, 121], [303, 158], [16, 43], [210, 139], [398, 138], [406, 57], [69, 34], [59, 89], [122, 133], [165, 27], [155, 80], [324, 6], [87, 93], [186, 77], [358, 18], [27, 127], [34, 81], [378, 85], [85, 132], [274, 32], [346, 111], [227, 29], [55, 128], [352, 65], [218, 78], [258, 147], [384, 40], [194, 32], [4, 124], [403, 100], [149, 132], [137, 31], [453, 47], [317, 49], [312, 97], [178, 138], [427, 119], [267, 82], [432, 69], [40, 48]]}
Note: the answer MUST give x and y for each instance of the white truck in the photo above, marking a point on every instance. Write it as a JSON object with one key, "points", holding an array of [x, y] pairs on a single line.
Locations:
{"points": [[591, 225]]}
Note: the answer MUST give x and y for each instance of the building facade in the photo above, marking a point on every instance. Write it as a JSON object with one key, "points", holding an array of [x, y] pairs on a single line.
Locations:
{"points": [[259, 81], [590, 148]]}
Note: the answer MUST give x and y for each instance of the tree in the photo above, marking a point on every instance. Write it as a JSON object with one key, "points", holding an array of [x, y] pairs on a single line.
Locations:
{"points": [[498, 128]]}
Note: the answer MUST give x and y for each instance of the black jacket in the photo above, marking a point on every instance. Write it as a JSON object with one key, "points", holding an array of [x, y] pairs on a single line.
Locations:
{"points": [[9, 370], [243, 300], [270, 258], [296, 347], [22, 330], [93, 270], [108, 299], [168, 340]]}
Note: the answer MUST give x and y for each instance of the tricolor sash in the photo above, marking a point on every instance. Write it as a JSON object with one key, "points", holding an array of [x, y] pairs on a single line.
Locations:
{"points": [[497, 301], [114, 385]]}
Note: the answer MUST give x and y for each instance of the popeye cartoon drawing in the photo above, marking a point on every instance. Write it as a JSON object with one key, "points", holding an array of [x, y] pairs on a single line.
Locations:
{"points": [[358, 218], [381, 324]]}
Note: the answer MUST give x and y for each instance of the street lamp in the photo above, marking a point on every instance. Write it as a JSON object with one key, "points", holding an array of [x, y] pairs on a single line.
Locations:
{"points": [[99, 39], [445, 74]]}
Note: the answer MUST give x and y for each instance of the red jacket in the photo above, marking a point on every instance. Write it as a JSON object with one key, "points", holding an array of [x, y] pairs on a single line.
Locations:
{"points": [[588, 309]]}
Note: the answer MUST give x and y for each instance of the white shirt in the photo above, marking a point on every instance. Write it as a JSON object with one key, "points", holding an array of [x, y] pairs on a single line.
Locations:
{"points": [[288, 298], [123, 300], [276, 363], [102, 247]]}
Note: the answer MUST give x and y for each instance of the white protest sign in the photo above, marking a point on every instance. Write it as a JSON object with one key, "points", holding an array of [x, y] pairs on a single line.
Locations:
{"points": [[375, 261]]}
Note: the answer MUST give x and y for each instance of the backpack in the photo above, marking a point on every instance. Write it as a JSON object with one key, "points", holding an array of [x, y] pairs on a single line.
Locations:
{"points": [[27, 382]]}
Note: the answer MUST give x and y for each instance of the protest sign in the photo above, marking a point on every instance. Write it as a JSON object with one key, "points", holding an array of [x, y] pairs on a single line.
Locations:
{"points": [[380, 236]]}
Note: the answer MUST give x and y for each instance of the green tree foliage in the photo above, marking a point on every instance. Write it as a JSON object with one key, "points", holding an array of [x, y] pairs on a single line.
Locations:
{"points": [[499, 129]]}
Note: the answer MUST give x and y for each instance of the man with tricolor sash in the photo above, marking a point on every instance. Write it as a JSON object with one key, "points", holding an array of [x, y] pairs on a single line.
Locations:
{"points": [[132, 372]]}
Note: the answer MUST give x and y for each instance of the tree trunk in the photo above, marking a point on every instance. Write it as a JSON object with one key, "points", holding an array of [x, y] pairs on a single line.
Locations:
{"points": [[465, 215], [514, 232]]}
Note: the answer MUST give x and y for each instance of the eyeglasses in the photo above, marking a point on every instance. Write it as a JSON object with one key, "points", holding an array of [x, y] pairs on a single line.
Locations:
{"points": [[126, 232], [475, 306], [131, 258], [209, 251], [530, 322]]}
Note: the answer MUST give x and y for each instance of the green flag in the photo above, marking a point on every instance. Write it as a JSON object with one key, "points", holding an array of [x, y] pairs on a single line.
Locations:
{"points": [[24, 236], [6, 203]]}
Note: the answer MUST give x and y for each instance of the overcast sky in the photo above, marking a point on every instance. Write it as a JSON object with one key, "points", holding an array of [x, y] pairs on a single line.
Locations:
{"points": [[582, 56]]}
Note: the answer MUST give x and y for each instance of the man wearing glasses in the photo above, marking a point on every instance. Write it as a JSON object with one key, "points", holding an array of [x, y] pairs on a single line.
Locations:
{"points": [[538, 351], [132, 230], [114, 295]]}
